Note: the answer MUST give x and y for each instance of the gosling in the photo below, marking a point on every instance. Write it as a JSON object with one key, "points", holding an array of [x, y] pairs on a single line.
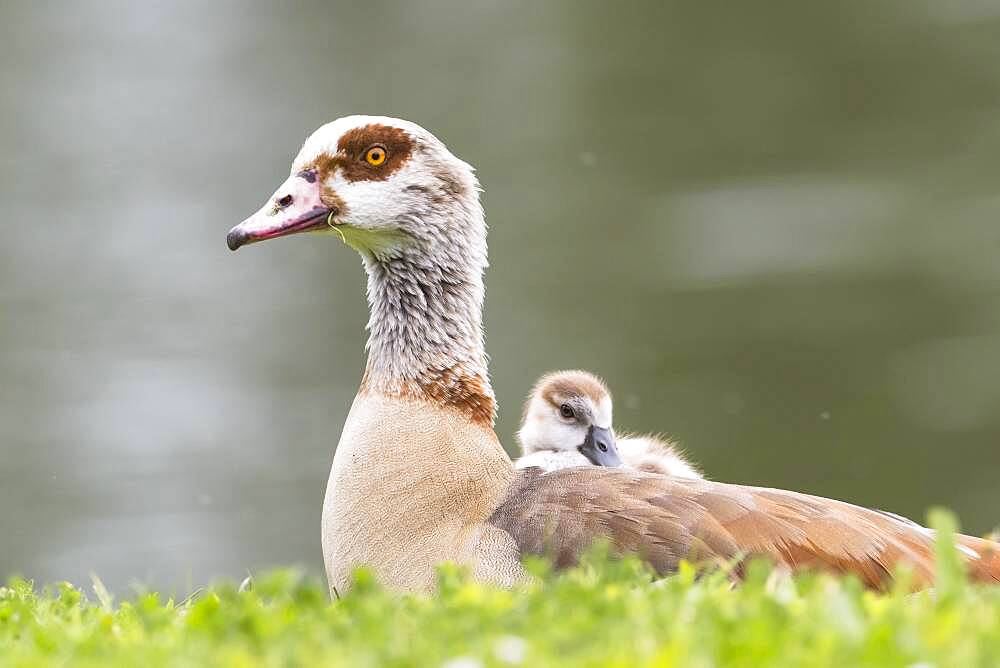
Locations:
{"points": [[568, 422]]}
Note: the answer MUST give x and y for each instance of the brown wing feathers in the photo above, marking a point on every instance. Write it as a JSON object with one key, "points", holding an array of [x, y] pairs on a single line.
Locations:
{"points": [[987, 567], [664, 519]]}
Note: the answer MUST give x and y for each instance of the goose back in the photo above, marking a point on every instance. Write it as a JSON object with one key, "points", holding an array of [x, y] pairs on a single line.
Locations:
{"points": [[666, 519]]}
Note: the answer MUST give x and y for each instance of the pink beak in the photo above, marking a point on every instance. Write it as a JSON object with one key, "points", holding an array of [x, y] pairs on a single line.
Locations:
{"points": [[295, 207]]}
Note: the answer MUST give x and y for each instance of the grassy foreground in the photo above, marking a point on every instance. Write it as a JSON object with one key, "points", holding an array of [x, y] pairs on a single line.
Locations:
{"points": [[602, 613]]}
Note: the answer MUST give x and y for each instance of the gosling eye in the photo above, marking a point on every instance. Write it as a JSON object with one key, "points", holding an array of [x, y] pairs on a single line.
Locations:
{"points": [[375, 155], [567, 412]]}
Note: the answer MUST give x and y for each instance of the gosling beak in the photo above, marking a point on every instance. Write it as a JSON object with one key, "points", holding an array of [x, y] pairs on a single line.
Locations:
{"points": [[295, 207], [599, 447]]}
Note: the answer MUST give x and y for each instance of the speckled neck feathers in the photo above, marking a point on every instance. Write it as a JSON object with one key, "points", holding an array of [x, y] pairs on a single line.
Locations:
{"points": [[426, 299]]}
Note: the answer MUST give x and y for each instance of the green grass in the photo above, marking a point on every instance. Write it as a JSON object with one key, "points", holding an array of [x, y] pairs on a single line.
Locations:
{"points": [[603, 613]]}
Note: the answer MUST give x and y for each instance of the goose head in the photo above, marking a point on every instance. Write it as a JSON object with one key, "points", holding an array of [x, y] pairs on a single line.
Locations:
{"points": [[377, 183], [570, 411], [391, 190]]}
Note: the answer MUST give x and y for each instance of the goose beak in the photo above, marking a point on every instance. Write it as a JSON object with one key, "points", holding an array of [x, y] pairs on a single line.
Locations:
{"points": [[599, 447], [295, 207]]}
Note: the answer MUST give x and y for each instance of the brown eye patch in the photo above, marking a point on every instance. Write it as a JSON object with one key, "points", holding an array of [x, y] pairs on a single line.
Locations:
{"points": [[353, 153], [391, 148]]}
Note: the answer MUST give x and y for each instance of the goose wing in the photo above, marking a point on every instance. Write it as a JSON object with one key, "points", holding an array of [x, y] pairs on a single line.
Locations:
{"points": [[666, 519]]}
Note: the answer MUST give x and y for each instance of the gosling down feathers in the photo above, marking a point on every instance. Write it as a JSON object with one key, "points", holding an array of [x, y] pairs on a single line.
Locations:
{"points": [[568, 422], [419, 476]]}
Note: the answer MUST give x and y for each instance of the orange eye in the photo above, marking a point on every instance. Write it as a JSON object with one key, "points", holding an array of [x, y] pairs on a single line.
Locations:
{"points": [[375, 156]]}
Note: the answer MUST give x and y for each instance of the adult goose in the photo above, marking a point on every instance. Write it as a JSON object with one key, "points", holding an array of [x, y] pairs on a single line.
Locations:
{"points": [[568, 422], [419, 476]]}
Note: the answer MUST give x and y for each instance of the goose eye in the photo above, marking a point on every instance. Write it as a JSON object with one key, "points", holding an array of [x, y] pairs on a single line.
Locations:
{"points": [[566, 412], [375, 156]]}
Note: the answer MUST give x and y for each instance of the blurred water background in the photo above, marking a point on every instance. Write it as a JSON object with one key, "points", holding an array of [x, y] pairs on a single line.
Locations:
{"points": [[774, 228]]}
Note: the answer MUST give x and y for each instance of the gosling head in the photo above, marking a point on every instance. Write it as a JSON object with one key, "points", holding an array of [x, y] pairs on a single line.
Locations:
{"points": [[570, 411], [380, 184]]}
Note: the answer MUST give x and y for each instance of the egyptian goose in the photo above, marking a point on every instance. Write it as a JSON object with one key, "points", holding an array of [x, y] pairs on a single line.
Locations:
{"points": [[419, 476], [567, 422]]}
